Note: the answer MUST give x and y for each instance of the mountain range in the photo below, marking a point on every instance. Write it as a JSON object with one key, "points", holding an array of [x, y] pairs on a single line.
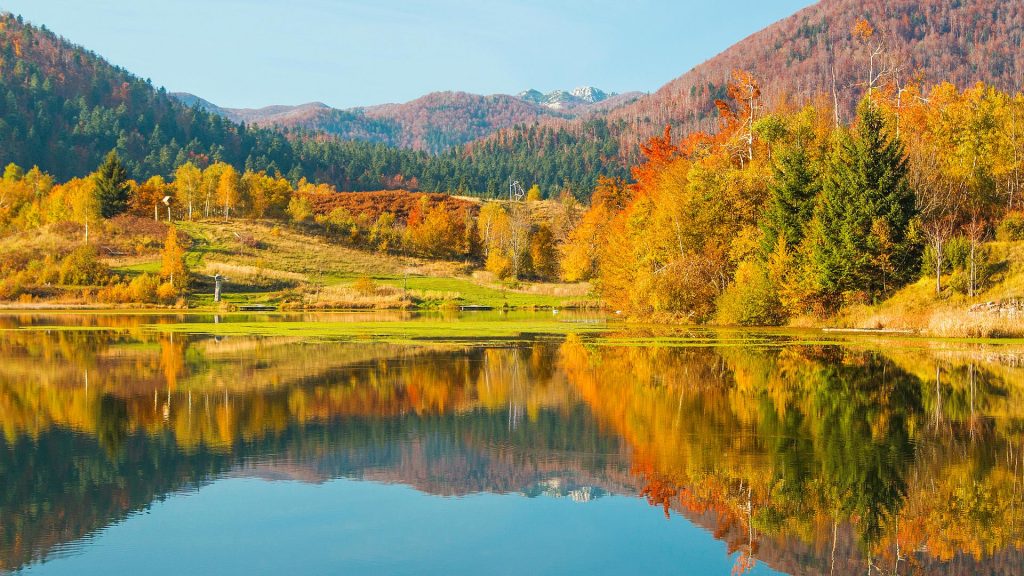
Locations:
{"points": [[432, 123], [63, 107], [808, 53]]}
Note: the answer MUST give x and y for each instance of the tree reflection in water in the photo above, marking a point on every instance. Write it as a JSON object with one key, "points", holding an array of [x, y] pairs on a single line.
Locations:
{"points": [[811, 459]]}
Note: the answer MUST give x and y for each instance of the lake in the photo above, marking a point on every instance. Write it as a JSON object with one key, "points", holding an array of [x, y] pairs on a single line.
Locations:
{"points": [[501, 444]]}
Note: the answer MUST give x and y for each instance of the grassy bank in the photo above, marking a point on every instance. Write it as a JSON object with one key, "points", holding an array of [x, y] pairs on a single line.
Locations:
{"points": [[997, 311]]}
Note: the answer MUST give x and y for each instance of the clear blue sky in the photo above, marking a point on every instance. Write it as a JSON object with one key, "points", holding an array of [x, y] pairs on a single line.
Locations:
{"points": [[250, 53]]}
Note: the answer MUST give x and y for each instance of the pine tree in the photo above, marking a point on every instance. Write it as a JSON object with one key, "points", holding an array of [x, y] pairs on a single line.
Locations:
{"points": [[112, 186], [791, 204], [862, 223]]}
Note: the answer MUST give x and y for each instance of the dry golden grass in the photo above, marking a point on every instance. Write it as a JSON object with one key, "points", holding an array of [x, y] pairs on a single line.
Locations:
{"points": [[239, 272], [358, 297], [916, 307], [576, 290], [294, 253]]}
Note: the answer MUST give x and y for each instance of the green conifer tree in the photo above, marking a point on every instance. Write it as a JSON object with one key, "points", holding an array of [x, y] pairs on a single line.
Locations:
{"points": [[112, 186], [791, 201], [863, 242]]}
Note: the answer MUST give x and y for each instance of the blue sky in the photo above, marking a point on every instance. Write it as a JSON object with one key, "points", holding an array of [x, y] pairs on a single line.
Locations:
{"points": [[250, 53]]}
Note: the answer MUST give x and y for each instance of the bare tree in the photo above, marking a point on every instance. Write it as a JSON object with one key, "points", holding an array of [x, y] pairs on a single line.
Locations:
{"points": [[520, 224], [939, 199]]}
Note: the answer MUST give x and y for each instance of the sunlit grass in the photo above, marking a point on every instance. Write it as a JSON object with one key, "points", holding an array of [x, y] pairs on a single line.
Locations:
{"points": [[310, 265], [468, 331]]}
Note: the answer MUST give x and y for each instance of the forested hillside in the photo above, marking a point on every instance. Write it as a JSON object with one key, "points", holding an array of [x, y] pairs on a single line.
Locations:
{"points": [[924, 41], [64, 108]]}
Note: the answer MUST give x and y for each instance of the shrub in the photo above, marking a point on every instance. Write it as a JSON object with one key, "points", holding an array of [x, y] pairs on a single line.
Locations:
{"points": [[985, 267], [385, 235], [83, 266], [1012, 227], [542, 253], [342, 224], [955, 255], [143, 288], [499, 264], [400, 203], [10, 288], [440, 234], [364, 286], [751, 299], [300, 209], [166, 293], [251, 241], [115, 293], [45, 271]]}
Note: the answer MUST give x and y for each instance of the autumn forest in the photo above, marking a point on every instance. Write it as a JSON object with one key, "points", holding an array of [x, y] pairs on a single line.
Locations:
{"points": [[764, 318]]}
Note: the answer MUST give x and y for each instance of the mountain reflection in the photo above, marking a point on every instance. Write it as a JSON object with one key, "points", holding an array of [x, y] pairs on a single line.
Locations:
{"points": [[809, 459]]}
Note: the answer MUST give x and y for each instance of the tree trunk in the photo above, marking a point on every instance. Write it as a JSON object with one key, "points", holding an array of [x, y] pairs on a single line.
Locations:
{"points": [[972, 281]]}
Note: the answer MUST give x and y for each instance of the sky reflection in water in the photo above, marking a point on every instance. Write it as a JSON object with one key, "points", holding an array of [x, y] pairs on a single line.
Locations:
{"points": [[131, 448]]}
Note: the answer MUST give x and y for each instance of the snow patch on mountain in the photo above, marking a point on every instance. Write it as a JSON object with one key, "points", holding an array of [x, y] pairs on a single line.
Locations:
{"points": [[566, 99]]}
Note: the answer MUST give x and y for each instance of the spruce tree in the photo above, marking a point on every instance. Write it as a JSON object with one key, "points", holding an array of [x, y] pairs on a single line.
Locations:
{"points": [[862, 233], [791, 202], [112, 186]]}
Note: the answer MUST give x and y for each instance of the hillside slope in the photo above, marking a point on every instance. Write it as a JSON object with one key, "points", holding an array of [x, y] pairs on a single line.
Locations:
{"points": [[63, 108], [965, 42]]}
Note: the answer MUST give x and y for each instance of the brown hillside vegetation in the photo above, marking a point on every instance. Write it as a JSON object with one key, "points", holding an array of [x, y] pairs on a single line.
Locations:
{"points": [[400, 203], [962, 42]]}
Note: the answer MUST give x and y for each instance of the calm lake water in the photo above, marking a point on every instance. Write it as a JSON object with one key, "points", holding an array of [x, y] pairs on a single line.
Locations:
{"points": [[129, 449]]}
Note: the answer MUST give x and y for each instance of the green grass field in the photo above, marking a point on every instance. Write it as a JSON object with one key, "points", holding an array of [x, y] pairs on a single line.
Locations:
{"points": [[288, 265]]}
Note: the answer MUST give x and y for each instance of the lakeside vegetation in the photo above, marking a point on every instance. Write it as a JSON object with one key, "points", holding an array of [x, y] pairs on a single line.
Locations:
{"points": [[786, 215]]}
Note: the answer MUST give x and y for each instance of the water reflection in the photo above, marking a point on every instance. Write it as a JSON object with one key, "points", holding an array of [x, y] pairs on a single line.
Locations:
{"points": [[807, 459]]}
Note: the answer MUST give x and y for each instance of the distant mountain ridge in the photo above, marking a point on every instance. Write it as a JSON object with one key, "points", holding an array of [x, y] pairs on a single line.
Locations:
{"points": [[432, 123], [567, 99]]}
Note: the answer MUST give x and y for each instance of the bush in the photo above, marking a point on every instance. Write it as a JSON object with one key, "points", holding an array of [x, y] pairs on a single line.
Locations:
{"points": [[751, 300], [1011, 229], [166, 293], [250, 241], [343, 225], [499, 264], [83, 267], [118, 293], [385, 235], [956, 256], [440, 234], [300, 209], [365, 286], [143, 288], [10, 288]]}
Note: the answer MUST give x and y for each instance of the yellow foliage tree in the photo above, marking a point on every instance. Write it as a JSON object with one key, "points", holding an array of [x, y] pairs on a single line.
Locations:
{"points": [[173, 260]]}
